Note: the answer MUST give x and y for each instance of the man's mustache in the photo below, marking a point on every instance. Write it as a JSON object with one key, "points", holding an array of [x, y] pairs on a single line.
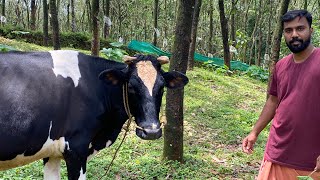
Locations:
{"points": [[296, 40]]}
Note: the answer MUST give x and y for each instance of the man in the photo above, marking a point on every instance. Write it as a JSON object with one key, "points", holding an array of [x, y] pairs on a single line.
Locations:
{"points": [[294, 105]]}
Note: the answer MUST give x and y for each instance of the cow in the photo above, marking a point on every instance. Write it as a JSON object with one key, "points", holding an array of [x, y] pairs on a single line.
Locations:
{"points": [[65, 105]]}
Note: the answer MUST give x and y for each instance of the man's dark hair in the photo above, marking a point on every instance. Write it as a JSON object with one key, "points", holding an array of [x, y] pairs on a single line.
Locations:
{"points": [[291, 15]]}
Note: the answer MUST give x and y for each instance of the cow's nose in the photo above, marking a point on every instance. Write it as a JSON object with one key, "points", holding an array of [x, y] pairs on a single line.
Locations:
{"points": [[149, 133]]}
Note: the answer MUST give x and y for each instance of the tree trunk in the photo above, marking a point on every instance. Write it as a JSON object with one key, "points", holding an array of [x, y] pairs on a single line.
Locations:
{"points": [[89, 14], [278, 31], [277, 39], [55, 25], [257, 35], [232, 23], [73, 17], [107, 22], [194, 29], [3, 8], [173, 131], [45, 23], [210, 43], [95, 46], [305, 5], [68, 16], [155, 19], [224, 32], [33, 15], [28, 13]]}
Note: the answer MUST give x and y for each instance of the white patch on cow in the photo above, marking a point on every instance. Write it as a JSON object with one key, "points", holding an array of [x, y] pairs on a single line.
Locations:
{"points": [[95, 152], [67, 145], [154, 126], [82, 176], [108, 143], [147, 74], [92, 155], [66, 64], [51, 148], [52, 169]]}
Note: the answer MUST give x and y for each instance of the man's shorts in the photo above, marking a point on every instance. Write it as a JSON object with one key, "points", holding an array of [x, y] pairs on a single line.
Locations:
{"points": [[272, 171]]}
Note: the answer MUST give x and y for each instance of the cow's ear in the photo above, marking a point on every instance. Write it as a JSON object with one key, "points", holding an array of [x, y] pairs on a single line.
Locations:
{"points": [[175, 79], [112, 76]]}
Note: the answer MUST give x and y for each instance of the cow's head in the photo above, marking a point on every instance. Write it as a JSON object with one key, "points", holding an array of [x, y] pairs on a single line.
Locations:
{"points": [[146, 81]]}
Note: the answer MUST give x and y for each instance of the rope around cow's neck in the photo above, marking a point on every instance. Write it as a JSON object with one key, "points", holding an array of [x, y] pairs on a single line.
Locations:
{"points": [[127, 109]]}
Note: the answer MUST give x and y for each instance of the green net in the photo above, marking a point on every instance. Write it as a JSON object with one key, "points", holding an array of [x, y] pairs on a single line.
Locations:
{"points": [[151, 49]]}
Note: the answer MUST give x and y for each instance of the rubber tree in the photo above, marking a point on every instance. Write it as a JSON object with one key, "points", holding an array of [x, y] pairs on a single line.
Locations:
{"points": [[173, 130]]}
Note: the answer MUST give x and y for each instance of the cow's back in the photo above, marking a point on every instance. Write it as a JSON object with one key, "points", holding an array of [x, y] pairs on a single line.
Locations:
{"points": [[29, 93]]}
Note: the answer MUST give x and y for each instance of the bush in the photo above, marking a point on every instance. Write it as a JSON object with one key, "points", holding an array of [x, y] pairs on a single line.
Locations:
{"points": [[67, 39], [257, 72]]}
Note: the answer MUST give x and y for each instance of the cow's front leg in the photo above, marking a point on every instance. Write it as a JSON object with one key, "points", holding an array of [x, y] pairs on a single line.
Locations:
{"points": [[76, 165], [51, 168]]}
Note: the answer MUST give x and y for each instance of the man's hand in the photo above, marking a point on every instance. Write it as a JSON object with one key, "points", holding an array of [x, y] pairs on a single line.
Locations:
{"points": [[248, 143], [317, 168]]}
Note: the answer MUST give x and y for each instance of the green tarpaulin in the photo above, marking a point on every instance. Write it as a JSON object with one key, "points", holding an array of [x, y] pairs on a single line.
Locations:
{"points": [[151, 49]]}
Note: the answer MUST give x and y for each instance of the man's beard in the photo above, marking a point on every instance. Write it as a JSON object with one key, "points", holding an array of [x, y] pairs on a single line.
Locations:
{"points": [[298, 48]]}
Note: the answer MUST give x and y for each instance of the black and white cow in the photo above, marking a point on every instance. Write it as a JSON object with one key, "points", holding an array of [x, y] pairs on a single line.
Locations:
{"points": [[66, 105]]}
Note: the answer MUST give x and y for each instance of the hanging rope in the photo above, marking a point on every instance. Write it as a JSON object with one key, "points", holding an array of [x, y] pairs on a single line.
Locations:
{"points": [[127, 128]]}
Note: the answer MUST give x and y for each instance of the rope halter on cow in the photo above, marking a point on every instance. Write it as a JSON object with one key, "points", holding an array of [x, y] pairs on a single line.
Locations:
{"points": [[128, 60]]}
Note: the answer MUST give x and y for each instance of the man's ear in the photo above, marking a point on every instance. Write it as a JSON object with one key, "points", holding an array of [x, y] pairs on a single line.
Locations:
{"points": [[175, 79], [112, 76]]}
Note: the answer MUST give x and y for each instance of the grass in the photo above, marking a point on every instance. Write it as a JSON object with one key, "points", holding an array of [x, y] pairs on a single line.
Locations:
{"points": [[219, 111]]}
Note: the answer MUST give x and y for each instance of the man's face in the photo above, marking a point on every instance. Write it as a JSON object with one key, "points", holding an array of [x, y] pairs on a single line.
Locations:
{"points": [[297, 34]]}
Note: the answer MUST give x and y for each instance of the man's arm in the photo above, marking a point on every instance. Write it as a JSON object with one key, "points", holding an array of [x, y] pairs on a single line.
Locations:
{"points": [[266, 116], [317, 168]]}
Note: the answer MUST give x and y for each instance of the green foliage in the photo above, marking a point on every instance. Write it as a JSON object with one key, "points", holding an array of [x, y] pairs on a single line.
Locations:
{"points": [[67, 39], [210, 65], [224, 70], [5, 48], [114, 53], [257, 72], [304, 178]]}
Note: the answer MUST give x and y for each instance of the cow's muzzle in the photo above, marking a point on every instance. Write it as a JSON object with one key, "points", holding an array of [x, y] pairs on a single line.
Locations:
{"points": [[147, 133]]}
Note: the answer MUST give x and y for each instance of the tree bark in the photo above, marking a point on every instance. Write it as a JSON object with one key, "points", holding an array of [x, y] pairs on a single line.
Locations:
{"points": [[278, 31], [305, 5], [45, 23], [277, 39], [33, 15], [173, 131], [3, 8], [210, 43], [106, 8], [224, 32], [233, 31], [194, 29], [55, 25], [73, 17], [155, 19], [28, 13], [95, 46]]}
